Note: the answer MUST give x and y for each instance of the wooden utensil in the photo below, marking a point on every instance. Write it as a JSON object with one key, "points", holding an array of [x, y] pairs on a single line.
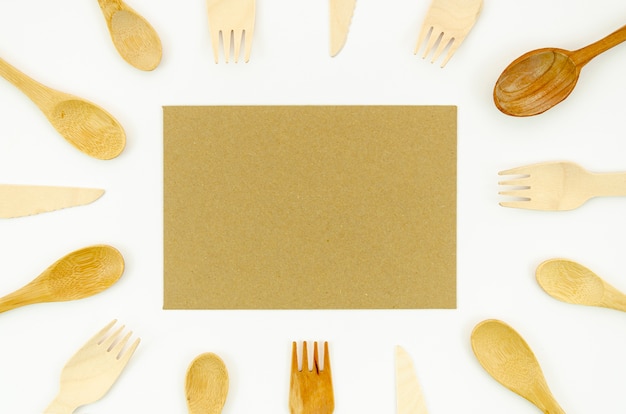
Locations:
{"points": [[340, 15], [234, 21], [80, 274], [83, 124], [571, 282], [540, 79], [206, 384], [24, 200], [311, 391], [409, 396], [505, 355], [93, 370], [558, 186], [449, 22], [134, 38]]}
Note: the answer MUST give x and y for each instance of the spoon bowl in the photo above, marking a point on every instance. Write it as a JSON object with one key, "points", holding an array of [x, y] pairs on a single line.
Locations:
{"points": [[134, 38], [506, 356], [206, 384], [80, 274], [542, 78], [83, 124], [572, 282]]}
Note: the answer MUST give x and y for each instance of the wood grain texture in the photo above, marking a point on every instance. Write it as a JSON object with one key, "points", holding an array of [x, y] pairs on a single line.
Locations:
{"points": [[92, 371], [311, 390], [233, 21], [542, 78], [24, 200], [558, 186], [80, 274], [206, 384], [409, 395], [447, 24], [86, 126], [505, 355], [133, 36], [572, 282]]}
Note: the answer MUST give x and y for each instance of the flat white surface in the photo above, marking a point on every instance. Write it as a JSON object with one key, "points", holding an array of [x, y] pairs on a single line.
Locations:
{"points": [[65, 44]]}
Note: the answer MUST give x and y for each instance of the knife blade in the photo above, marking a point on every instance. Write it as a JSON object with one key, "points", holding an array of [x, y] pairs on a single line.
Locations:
{"points": [[26, 200], [340, 17], [409, 396]]}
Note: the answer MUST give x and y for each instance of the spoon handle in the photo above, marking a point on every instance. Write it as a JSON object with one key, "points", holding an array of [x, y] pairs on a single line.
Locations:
{"points": [[109, 8], [37, 92], [26, 295], [582, 56], [59, 407]]}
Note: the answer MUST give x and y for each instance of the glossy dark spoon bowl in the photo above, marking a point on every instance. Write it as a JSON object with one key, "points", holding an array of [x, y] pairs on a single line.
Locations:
{"points": [[542, 78]]}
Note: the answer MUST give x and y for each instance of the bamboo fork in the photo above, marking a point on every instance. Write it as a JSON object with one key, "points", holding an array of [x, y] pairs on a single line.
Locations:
{"points": [[558, 186], [93, 370], [234, 21], [311, 391]]}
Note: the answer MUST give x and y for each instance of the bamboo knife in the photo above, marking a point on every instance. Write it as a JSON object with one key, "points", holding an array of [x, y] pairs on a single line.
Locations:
{"points": [[26, 200], [409, 396], [340, 15]]}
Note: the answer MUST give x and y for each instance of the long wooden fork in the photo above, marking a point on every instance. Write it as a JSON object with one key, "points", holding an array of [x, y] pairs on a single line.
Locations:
{"points": [[234, 21], [449, 22], [557, 186], [311, 391], [91, 372]]}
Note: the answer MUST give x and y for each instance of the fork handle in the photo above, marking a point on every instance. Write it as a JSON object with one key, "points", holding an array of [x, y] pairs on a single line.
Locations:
{"points": [[608, 184]]}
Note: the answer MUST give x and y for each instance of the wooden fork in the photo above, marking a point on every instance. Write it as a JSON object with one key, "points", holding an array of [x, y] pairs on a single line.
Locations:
{"points": [[91, 372], [449, 22], [559, 186], [311, 391], [234, 21]]}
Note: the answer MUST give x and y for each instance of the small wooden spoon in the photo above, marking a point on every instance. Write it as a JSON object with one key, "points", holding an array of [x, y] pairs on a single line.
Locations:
{"points": [[206, 384], [540, 79], [85, 125], [78, 275], [505, 355], [571, 282], [134, 38]]}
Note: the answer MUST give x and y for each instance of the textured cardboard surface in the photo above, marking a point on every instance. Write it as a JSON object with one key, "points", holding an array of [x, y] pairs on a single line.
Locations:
{"points": [[309, 207]]}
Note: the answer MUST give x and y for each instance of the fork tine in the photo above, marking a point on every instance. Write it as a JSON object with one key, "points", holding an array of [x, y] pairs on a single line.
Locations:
{"points": [[445, 41], [108, 341], [248, 43], [516, 182], [524, 204], [453, 47], [294, 358], [516, 171], [226, 36], [521, 193], [97, 338], [215, 43], [422, 37], [434, 36], [129, 352], [316, 361], [305, 357], [117, 348], [237, 39], [326, 359]]}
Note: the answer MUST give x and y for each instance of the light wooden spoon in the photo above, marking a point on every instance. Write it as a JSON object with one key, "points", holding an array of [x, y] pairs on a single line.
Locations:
{"points": [[505, 355], [571, 282], [85, 125], [540, 79], [78, 275], [206, 384], [134, 38]]}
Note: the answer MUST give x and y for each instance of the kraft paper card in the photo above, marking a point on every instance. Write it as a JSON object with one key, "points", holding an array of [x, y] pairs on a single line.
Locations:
{"points": [[309, 207]]}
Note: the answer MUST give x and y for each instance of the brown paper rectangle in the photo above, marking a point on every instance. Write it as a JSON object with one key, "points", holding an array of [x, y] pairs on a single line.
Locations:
{"points": [[309, 207]]}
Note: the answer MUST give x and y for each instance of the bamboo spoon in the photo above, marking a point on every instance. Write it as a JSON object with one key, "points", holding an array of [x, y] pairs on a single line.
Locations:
{"points": [[134, 38], [505, 355], [571, 282], [78, 275], [540, 79], [85, 125], [206, 384]]}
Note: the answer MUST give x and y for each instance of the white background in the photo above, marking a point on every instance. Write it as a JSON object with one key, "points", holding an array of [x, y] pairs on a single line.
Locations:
{"points": [[65, 44]]}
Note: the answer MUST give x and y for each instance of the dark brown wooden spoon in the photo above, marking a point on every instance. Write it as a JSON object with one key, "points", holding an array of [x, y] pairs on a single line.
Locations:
{"points": [[540, 79]]}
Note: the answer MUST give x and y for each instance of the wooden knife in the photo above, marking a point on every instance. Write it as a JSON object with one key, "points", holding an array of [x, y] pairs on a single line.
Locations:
{"points": [[340, 17], [25, 200], [409, 396]]}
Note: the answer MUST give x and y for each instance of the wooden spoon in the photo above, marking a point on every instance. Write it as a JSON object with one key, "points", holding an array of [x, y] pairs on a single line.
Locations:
{"points": [[540, 79], [505, 355], [85, 125], [571, 282], [206, 384], [134, 38], [78, 275]]}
